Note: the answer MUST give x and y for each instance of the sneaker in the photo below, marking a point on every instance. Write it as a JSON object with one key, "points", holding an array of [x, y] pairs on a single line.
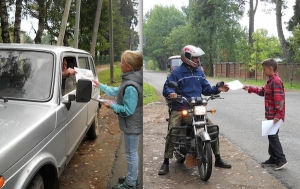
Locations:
{"points": [[123, 186], [268, 163], [280, 165], [121, 180]]}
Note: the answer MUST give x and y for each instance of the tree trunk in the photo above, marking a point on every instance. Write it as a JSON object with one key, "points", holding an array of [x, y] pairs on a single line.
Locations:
{"points": [[64, 23], [41, 24], [77, 21], [4, 22], [96, 26], [211, 64], [252, 12], [17, 26], [283, 42]]}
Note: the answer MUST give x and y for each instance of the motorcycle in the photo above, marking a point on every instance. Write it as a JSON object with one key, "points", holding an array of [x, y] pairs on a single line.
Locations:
{"points": [[192, 138]]}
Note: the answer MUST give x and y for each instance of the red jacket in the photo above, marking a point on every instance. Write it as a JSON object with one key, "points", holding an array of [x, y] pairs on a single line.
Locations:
{"points": [[274, 95]]}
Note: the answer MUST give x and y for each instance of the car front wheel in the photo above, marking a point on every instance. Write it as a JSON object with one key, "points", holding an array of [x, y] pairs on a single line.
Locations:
{"points": [[37, 182]]}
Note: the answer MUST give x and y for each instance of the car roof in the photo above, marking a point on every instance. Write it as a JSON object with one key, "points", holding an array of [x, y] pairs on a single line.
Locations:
{"points": [[173, 57], [41, 47]]}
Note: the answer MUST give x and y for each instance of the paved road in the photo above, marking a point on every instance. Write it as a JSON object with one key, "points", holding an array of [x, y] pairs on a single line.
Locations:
{"points": [[239, 116]]}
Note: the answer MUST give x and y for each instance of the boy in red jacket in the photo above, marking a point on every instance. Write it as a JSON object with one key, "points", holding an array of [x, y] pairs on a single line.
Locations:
{"points": [[274, 95]]}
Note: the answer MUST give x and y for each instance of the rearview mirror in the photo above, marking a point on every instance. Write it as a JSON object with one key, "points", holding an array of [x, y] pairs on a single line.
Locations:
{"points": [[220, 84], [83, 90], [172, 84]]}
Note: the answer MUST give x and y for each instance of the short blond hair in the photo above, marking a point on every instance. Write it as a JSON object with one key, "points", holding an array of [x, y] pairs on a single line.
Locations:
{"points": [[133, 59]]}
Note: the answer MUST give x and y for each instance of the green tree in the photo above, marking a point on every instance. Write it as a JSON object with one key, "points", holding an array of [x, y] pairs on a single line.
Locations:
{"points": [[213, 21], [4, 22], [17, 25], [295, 48], [179, 37], [128, 11], [280, 5], [295, 20], [295, 43], [158, 24], [243, 53]]}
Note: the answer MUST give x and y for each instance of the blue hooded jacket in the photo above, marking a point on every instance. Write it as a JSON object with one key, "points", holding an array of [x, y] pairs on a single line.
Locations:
{"points": [[191, 83]]}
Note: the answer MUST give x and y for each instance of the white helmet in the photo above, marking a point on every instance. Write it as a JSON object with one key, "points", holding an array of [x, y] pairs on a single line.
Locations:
{"points": [[190, 51]]}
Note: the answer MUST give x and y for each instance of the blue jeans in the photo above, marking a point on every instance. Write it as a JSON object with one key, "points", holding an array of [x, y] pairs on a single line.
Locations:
{"points": [[131, 152]]}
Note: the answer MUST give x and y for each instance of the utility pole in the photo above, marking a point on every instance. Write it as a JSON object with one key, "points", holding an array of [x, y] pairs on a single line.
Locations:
{"points": [[77, 20], [140, 26]]}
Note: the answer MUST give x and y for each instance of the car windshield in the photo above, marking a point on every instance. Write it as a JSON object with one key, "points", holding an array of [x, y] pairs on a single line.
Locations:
{"points": [[25, 75], [176, 62]]}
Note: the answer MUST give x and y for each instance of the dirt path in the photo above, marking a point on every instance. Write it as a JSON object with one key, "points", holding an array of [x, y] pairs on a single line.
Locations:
{"points": [[91, 165]]}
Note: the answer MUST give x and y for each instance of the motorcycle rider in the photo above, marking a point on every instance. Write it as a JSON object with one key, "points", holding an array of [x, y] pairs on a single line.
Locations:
{"points": [[191, 83]]}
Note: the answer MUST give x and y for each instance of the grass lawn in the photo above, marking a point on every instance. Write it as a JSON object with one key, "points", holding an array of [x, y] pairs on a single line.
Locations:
{"points": [[104, 76], [149, 93]]}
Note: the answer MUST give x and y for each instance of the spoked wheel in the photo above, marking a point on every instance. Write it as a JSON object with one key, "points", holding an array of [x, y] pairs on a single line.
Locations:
{"points": [[204, 159]]}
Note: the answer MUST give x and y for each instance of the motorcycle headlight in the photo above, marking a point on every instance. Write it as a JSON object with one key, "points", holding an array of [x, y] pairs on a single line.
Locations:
{"points": [[199, 110]]}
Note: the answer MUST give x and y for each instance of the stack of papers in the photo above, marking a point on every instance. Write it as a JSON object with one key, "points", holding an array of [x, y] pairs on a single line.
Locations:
{"points": [[269, 128]]}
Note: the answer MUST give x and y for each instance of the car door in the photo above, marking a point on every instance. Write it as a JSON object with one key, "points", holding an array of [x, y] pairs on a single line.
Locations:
{"points": [[93, 105], [76, 113]]}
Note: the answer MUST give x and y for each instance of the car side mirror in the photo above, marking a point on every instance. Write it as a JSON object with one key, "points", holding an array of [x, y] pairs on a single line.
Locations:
{"points": [[83, 90]]}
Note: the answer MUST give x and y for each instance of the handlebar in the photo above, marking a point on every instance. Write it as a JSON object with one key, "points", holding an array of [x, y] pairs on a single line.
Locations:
{"points": [[195, 100]]}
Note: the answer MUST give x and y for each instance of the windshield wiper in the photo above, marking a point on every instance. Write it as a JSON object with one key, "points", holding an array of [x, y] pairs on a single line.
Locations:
{"points": [[5, 99]]}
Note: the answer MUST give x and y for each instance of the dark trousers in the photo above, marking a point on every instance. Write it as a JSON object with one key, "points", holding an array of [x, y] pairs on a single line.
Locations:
{"points": [[275, 149]]}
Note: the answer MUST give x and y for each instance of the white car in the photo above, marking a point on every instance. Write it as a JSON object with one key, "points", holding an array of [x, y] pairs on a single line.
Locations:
{"points": [[43, 116]]}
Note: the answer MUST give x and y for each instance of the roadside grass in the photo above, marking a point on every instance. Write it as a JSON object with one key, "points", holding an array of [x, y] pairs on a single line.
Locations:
{"points": [[260, 83], [149, 93], [104, 76]]}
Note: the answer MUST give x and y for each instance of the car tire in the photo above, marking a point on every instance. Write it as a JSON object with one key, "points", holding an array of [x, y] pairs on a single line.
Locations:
{"points": [[94, 130], [37, 182]]}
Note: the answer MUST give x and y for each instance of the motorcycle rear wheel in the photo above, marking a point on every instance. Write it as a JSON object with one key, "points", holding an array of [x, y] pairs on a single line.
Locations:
{"points": [[204, 159]]}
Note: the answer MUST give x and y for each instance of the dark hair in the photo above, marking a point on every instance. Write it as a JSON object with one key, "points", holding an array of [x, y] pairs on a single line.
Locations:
{"points": [[270, 62]]}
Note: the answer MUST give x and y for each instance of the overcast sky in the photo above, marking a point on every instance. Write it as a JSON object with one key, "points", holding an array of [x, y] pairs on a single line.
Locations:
{"points": [[262, 20]]}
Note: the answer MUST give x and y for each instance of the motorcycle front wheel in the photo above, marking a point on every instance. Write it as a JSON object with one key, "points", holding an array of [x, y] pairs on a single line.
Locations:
{"points": [[204, 159]]}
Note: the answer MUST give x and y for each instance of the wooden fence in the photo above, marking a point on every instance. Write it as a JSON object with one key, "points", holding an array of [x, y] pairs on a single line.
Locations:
{"points": [[237, 70]]}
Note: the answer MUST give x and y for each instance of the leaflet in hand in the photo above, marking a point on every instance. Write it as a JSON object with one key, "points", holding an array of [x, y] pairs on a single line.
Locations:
{"points": [[83, 74], [103, 100], [234, 85]]}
